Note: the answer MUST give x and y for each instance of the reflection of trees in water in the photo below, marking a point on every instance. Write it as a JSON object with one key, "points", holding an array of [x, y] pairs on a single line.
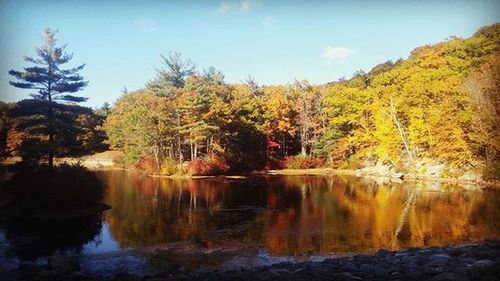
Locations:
{"points": [[32, 239], [448, 216], [294, 215], [53, 210], [148, 211]]}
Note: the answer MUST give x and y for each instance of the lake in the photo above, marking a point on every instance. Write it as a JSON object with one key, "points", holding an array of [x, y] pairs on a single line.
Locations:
{"points": [[272, 216]]}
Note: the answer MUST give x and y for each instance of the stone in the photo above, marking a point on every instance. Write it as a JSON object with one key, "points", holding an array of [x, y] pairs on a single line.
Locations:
{"points": [[483, 263], [448, 276], [349, 266], [381, 271], [440, 257], [345, 276], [381, 253], [467, 261]]}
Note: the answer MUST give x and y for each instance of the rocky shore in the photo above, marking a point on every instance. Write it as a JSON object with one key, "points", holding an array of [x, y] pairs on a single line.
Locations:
{"points": [[465, 262]]}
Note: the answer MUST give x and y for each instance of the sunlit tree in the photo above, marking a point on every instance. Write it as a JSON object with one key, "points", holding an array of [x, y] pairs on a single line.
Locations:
{"points": [[53, 86]]}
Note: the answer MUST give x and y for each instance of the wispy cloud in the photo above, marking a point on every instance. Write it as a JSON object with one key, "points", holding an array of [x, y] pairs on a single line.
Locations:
{"points": [[247, 5], [146, 25], [243, 5], [268, 20], [335, 54], [224, 7]]}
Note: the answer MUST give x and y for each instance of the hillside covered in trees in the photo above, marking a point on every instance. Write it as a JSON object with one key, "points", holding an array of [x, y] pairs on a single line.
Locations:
{"points": [[437, 107]]}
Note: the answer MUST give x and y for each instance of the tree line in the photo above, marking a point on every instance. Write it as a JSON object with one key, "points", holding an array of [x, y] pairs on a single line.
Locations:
{"points": [[440, 105]]}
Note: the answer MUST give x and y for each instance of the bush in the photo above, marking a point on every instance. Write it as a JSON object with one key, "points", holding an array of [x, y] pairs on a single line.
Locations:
{"points": [[62, 187], [214, 165], [274, 164], [169, 167], [146, 165], [303, 162]]}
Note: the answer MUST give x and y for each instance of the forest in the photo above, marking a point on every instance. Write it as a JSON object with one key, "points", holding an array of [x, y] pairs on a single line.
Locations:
{"points": [[440, 105]]}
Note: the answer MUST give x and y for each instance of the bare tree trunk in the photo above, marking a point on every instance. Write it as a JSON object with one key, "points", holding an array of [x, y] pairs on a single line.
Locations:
{"points": [[157, 158], [208, 146], [402, 133], [179, 147], [195, 150], [192, 153], [303, 140]]}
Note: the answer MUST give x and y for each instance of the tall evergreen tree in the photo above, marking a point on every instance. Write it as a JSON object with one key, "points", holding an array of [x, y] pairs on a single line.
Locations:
{"points": [[52, 85], [172, 75]]}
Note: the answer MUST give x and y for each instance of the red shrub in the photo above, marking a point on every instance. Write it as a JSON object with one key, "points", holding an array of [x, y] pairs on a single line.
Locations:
{"points": [[146, 165], [209, 166], [274, 164]]}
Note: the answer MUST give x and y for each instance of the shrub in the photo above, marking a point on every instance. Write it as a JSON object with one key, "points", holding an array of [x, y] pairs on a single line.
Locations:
{"points": [[213, 165], [169, 167], [146, 165], [197, 167], [274, 164], [303, 162], [62, 187], [218, 165]]}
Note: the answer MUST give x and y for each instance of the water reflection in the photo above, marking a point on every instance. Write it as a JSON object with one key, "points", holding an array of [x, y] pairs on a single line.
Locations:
{"points": [[295, 215], [30, 239]]}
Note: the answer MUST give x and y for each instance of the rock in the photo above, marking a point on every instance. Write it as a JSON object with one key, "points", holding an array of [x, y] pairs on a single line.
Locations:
{"points": [[449, 276], [483, 263], [381, 270], [434, 170], [470, 176], [381, 253], [435, 257], [467, 261], [365, 268], [349, 266], [397, 175], [345, 276]]}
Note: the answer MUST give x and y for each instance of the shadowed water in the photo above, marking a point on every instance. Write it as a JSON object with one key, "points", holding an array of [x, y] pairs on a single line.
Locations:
{"points": [[279, 215]]}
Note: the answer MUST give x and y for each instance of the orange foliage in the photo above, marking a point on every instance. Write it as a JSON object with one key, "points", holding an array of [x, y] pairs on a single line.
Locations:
{"points": [[212, 166], [146, 165]]}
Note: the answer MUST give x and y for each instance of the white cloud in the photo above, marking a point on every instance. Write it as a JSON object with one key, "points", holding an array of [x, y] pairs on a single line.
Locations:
{"points": [[247, 5], [268, 20], [333, 54], [224, 7], [244, 5], [146, 25]]}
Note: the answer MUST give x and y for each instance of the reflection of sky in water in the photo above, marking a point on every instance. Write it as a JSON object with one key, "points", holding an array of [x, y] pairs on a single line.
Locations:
{"points": [[102, 243]]}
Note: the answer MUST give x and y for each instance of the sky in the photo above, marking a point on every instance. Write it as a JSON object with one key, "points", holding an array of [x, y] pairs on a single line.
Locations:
{"points": [[275, 42]]}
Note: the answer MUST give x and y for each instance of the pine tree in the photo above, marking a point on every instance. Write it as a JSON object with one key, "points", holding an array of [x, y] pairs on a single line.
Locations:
{"points": [[53, 85]]}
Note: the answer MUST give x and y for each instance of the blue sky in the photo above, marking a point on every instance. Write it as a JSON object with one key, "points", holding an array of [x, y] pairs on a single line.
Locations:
{"points": [[274, 41]]}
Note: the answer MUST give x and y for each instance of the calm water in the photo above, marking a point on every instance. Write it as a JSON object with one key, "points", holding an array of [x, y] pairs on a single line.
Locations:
{"points": [[281, 215]]}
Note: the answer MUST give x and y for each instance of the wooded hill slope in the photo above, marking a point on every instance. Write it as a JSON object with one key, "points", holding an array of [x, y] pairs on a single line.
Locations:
{"points": [[438, 106], [441, 104]]}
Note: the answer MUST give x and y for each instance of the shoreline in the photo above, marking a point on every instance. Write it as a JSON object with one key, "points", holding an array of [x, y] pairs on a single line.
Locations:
{"points": [[331, 171], [472, 261], [96, 165]]}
